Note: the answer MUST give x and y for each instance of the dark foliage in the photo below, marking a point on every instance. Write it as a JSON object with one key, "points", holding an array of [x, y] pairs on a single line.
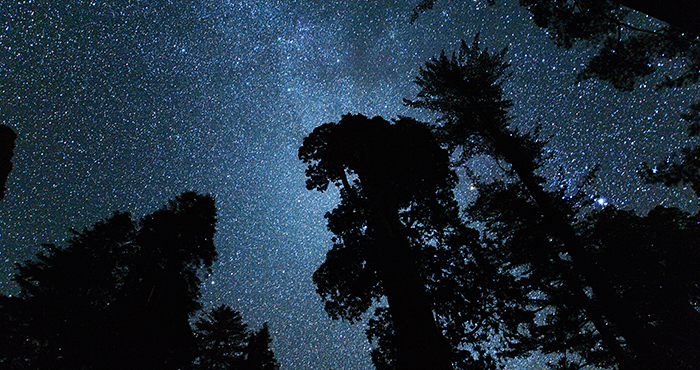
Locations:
{"points": [[545, 313], [381, 332], [120, 295], [65, 310], [536, 236], [224, 343], [221, 337], [682, 168], [476, 123], [626, 52], [627, 55], [652, 263], [7, 147], [624, 62], [397, 232], [259, 356]]}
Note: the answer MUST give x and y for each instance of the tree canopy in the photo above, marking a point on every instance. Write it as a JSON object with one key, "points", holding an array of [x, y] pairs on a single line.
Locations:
{"points": [[120, 295], [628, 53], [395, 164], [399, 235], [540, 233], [543, 273]]}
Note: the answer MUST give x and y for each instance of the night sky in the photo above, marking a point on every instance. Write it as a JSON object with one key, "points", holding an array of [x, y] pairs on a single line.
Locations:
{"points": [[122, 105]]}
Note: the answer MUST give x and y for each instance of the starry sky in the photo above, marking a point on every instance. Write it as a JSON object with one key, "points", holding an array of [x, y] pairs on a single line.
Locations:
{"points": [[122, 105]]}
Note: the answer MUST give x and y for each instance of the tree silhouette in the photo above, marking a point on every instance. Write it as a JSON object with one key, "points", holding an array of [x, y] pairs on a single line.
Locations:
{"points": [[222, 338], [224, 343], [397, 166], [627, 54], [652, 262], [682, 168], [7, 146], [520, 243], [63, 315], [597, 17], [259, 356], [398, 235], [118, 296], [162, 287], [465, 90]]}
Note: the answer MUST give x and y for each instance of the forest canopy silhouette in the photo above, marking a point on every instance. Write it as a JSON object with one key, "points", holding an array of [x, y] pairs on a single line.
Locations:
{"points": [[628, 56], [120, 295], [542, 271], [525, 268]]}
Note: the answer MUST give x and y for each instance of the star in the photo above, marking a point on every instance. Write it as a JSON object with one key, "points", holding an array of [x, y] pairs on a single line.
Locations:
{"points": [[122, 107], [602, 201]]}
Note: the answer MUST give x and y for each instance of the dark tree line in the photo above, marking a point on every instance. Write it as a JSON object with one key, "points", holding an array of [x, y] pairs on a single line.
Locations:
{"points": [[606, 288], [120, 296]]}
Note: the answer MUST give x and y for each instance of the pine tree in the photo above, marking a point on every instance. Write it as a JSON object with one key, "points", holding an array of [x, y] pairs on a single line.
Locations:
{"points": [[537, 227], [628, 55], [258, 354], [118, 296], [222, 340]]}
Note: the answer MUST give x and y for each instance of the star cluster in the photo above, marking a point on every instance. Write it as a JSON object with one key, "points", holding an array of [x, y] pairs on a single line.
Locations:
{"points": [[122, 105]]}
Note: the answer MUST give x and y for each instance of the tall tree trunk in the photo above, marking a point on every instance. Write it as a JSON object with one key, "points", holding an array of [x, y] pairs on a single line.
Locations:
{"points": [[419, 342]]}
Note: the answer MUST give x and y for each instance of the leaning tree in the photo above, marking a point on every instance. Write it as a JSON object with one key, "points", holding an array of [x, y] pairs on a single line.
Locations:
{"points": [[465, 89]]}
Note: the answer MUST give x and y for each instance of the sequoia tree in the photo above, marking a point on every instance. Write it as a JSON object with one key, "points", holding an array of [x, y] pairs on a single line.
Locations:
{"points": [[382, 169]]}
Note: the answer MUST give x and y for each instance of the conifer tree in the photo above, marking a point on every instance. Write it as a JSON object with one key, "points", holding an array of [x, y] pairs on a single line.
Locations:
{"points": [[398, 235], [537, 227], [628, 54], [259, 356], [118, 296]]}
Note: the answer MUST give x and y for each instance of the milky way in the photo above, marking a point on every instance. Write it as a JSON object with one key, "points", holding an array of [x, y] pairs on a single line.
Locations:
{"points": [[122, 105]]}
